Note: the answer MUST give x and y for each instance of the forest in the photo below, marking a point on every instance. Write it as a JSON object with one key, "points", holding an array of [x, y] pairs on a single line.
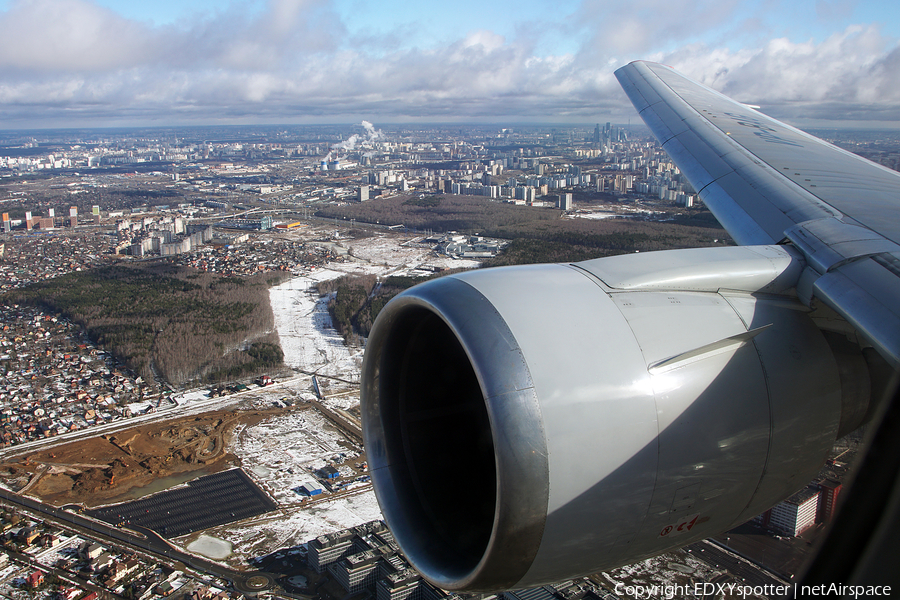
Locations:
{"points": [[168, 322], [539, 235], [468, 214], [357, 299]]}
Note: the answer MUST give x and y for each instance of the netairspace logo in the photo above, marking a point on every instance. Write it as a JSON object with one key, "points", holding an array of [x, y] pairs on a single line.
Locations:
{"points": [[735, 590]]}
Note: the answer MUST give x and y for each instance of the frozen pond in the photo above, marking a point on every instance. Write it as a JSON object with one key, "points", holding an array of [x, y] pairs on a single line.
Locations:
{"points": [[210, 547]]}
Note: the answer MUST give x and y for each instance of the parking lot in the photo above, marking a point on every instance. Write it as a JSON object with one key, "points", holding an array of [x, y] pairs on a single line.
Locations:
{"points": [[203, 503]]}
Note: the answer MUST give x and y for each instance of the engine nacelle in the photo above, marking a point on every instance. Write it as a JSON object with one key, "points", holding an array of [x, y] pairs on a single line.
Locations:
{"points": [[529, 424]]}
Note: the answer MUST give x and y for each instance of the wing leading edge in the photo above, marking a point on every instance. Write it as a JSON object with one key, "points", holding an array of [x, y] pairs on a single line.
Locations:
{"points": [[767, 182]]}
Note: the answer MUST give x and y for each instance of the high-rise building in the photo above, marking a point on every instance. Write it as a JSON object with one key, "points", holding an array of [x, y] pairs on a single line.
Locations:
{"points": [[357, 572], [828, 493], [796, 514], [329, 548], [361, 571], [399, 586]]}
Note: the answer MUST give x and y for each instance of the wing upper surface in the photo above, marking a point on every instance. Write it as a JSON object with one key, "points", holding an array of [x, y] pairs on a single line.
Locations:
{"points": [[767, 182]]}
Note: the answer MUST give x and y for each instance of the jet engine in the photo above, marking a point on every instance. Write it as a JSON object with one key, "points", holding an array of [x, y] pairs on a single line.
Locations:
{"points": [[525, 425]]}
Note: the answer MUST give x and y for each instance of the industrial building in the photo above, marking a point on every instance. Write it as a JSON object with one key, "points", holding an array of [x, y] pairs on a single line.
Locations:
{"points": [[468, 247], [329, 472], [261, 224], [362, 571], [366, 558], [309, 489], [794, 515], [330, 548], [828, 493], [401, 585]]}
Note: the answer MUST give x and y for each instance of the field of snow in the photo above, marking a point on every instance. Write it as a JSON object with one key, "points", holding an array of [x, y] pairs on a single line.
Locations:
{"points": [[395, 258], [595, 215], [615, 212], [285, 528], [301, 318], [304, 327], [281, 453]]}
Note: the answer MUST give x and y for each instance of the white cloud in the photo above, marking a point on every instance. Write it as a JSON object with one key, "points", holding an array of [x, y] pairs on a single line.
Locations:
{"points": [[855, 69], [55, 35], [294, 60]]}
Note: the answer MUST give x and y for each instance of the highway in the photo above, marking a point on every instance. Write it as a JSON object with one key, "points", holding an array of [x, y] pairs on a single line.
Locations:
{"points": [[174, 412], [146, 541], [741, 568], [143, 539]]}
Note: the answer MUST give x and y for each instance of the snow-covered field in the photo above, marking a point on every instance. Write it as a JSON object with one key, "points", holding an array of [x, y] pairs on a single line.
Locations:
{"points": [[301, 317], [386, 257], [285, 528], [304, 328], [595, 215], [282, 452], [614, 212]]}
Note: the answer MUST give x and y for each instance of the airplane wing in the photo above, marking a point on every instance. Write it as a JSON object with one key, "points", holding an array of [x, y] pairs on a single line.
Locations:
{"points": [[767, 182]]}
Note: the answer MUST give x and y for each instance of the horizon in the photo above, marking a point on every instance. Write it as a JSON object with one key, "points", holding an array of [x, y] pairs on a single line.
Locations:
{"points": [[111, 63]]}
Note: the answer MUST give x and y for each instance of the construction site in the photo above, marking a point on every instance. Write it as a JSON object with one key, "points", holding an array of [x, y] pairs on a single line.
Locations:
{"points": [[108, 468]]}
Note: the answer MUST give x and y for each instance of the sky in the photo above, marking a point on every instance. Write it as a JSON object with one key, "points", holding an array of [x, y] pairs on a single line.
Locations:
{"points": [[109, 63]]}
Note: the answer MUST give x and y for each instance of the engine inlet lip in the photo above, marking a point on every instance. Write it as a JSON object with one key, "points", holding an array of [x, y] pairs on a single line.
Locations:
{"points": [[520, 447]]}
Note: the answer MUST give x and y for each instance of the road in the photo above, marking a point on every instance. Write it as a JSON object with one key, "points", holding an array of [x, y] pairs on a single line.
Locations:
{"points": [[175, 412], [741, 568], [149, 542]]}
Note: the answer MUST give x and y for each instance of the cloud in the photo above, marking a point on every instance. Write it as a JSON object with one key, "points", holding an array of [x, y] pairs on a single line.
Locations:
{"points": [[639, 27], [829, 11], [72, 62], [855, 71], [54, 36]]}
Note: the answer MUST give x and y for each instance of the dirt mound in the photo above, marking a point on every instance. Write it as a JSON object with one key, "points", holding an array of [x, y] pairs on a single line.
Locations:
{"points": [[91, 481], [103, 469]]}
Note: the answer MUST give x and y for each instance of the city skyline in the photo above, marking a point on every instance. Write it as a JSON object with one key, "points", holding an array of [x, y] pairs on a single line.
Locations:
{"points": [[96, 63]]}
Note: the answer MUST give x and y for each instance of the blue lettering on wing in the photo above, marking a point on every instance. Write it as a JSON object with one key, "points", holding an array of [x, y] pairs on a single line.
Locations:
{"points": [[763, 131]]}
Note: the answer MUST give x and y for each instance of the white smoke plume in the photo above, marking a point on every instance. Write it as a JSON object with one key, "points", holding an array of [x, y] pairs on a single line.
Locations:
{"points": [[357, 140], [348, 144], [373, 133]]}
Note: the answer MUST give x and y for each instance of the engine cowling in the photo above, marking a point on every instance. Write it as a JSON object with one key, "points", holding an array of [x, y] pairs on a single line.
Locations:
{"points": [[528, 424]]}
